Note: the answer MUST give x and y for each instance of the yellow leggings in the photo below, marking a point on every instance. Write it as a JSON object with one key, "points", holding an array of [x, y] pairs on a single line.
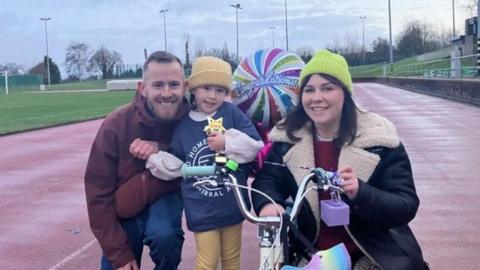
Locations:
{"points": [[223, 243]]}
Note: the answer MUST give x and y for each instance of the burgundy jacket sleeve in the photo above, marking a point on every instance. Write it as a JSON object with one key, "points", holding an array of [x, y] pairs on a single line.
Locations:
{"points": [[100, 185], [141, 190]]}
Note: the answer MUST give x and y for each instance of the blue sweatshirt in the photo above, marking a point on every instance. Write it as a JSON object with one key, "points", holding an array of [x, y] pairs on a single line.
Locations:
{"points": [[208, 208]]}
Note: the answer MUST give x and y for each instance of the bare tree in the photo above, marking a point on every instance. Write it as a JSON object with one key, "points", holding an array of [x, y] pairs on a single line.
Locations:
{"points": [[351, 43], [380, 50], [305, 53], [105, 61], [76, 60], [444, 36], [416, 38], [222, 53], [187, 65], [337, 43], [469, 7], [199, 47]]}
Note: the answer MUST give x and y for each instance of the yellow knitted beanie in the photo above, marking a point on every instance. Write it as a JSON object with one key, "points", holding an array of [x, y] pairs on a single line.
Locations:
{"points": [[328, 63], [208, 70]]}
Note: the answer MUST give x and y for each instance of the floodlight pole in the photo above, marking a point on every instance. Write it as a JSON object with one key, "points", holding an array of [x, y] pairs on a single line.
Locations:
{"points": [[164, 12], [363, 37], [478, 36], [45, 19], [286, 25], [453, 17], [236, 7], [390, 31], [273, 36]]}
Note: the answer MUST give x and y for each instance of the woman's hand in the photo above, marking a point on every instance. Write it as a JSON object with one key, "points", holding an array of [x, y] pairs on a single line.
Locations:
{"points": [[350, 181], [271, 209], [216, 142]]}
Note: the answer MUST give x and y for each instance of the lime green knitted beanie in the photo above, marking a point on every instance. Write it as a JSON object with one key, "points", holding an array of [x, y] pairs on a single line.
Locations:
{"points": [[328, 63]]}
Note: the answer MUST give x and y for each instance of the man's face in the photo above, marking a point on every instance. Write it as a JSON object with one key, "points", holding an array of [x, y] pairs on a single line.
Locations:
{"points": [[163, 86]]}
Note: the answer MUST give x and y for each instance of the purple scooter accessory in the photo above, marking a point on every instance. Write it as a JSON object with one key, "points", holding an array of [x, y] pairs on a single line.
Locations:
{"points": [[335, 212]]}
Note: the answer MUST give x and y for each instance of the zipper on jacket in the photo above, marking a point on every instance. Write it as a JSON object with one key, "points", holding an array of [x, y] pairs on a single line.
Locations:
{"points": [[360, 246], [144, 190]]}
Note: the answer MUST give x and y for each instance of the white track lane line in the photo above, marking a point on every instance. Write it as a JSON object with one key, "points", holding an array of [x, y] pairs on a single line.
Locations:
{"points": [[73, 255]]}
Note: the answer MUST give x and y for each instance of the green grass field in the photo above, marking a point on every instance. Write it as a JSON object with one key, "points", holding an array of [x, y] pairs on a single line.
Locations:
{"points": [[411, 67], [23, 111], [83, 85], [376, 70]]}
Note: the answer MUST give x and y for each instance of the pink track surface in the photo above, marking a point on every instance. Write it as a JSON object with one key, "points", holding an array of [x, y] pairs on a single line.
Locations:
{"points": [[43, 219]]}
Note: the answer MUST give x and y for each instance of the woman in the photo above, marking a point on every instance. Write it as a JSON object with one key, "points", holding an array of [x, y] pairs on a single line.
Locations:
{"points": [[327, 130]]}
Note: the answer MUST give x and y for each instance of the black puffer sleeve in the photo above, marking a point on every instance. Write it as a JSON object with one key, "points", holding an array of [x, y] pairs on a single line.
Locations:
{"points": [[274, 179], [389, 198]]}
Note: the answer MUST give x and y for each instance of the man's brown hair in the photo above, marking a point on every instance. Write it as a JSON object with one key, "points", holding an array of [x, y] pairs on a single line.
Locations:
{"points": [[161, 57]]}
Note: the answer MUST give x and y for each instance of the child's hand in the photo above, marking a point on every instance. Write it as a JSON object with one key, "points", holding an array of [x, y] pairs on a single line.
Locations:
{"points": [[271, 210], [143, 149], [216, 142]]}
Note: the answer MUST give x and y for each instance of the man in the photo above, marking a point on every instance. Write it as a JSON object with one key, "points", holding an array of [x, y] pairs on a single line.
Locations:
{"points": [[117, 186]]}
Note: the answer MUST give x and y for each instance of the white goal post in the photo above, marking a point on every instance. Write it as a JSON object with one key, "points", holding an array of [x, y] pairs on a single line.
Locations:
{"points": [[5, 73]]}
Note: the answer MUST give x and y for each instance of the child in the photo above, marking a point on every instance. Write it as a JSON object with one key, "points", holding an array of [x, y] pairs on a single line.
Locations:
{"points": [[211, 212]]}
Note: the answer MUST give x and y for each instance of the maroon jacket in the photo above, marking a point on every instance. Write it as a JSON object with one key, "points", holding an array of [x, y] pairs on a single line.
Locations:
{"points": [[111, 165]]}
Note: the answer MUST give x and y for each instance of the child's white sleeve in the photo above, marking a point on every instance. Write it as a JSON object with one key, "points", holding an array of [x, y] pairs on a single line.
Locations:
{"points": [[164, 165], [241, 147]]}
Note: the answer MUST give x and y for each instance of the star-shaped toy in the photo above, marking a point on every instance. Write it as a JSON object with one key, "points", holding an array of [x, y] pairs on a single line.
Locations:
{"points": [[214, 126]]}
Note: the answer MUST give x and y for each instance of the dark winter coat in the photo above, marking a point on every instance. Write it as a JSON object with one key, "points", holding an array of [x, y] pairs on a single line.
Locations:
{"points": [[386, 200]]}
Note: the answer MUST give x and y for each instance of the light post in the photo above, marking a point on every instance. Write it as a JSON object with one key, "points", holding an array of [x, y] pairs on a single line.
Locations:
{"points": [[363, 36], [273, 36], [390, 31], [478, 20], [453, 17], [164, 12], [286, 25], [236, 7], [45, 19], [478, 36]]}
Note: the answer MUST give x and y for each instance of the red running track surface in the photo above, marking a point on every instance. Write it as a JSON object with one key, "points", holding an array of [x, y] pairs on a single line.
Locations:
{"points": [[43, 219]]}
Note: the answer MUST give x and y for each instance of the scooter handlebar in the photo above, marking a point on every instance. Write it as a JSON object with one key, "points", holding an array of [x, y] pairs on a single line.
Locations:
{"points": [[189, 171]]}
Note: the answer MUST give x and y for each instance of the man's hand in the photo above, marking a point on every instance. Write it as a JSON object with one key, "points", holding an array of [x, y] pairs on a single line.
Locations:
{"points": [[216, 142], [142, 149], [129, 266]]}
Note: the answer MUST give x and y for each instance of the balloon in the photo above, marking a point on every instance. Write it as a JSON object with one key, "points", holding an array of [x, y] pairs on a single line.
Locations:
{"points": [[265, 85], [334, 258]]}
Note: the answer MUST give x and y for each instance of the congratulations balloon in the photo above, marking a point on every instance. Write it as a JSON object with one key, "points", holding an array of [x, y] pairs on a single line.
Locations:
{"points": [[265, 85]]}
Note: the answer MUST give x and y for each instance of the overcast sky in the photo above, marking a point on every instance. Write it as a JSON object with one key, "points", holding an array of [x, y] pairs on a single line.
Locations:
{"points": [[130, 26]]}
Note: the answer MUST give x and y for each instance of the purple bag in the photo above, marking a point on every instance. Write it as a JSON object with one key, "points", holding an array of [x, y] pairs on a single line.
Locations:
{"points": [[334, 212]]}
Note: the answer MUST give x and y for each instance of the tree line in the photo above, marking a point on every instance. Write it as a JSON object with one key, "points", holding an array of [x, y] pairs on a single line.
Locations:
{"points": [[415, 38], [82, 62]]}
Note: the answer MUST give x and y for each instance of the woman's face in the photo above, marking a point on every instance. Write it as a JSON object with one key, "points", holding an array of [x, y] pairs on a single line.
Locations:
{"points": [[323, 102]]}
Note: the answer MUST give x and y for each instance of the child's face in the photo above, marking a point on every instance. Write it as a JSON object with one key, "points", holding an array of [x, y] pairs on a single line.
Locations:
{"points": [[209, 97]]}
